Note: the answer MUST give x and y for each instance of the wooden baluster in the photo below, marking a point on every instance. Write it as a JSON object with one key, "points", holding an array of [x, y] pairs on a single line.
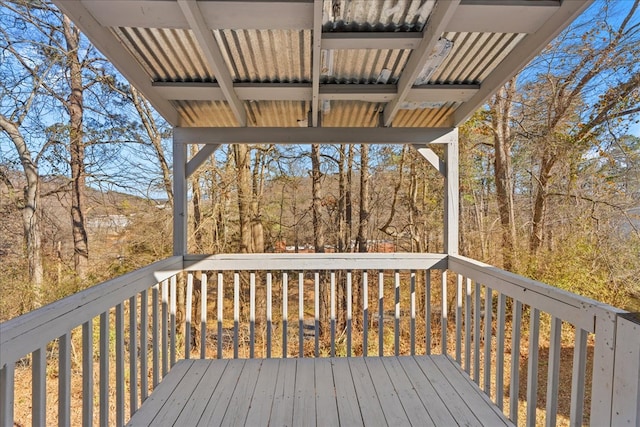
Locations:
{"points": [[316, 313], [300, 314], [514, 385], [269, 314], [87, 373], [380, 313], [188, 311], [444, 314], [155, 321], [7, 374], [349, 311], [165, 328], [532, 368], [133, 358], [39, 392], [467, 327], [203, 315], [285, 312], [476, 334], [144, 342], [459, 319], [502, 302], [578, 377], [333, 313], [553, 374], [236, 313], [120, 365], [104, 369], [220, 313], [172, 320], [488, 314], [412, 326], [365, 313], [252, 315], [427, 312]]}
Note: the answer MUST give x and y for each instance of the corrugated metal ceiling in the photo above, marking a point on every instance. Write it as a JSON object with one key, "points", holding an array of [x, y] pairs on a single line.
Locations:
{"points": [[170, 50]]}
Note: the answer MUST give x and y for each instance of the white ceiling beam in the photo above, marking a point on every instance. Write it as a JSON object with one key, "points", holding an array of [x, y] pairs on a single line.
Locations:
{"points": [[315, 62], [502, 16], [438, 20], [104, 40], [490, 16], [220, 14], [371, 40], [518, 58], [213, 55], [303, 92], [311, 135]]}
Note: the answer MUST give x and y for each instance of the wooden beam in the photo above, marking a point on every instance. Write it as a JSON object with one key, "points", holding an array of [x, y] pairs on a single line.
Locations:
{"points": [[451, 196], [180, 208], [490, 16], [371, 40], [310, 135], [432, 158], [203, 154], [104, 40], [438, 21], [315, 61], [518, 58], [213, 55], [189, 91], [506, 16], [220, 14]]}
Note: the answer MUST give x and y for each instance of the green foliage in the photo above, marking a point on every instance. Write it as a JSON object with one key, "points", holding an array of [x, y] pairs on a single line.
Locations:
{"points": [[579, 265]]}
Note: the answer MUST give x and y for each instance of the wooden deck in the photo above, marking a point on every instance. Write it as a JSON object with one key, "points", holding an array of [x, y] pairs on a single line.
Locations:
{"points": [[395, 391]]}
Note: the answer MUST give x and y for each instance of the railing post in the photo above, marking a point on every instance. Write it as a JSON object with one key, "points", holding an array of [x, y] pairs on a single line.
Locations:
{"points": [[451, 196], [603, 368], [626, 379], [180, 198]]}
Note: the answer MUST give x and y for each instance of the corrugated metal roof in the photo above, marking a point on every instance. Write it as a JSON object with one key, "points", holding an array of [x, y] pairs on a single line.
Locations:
{"points": [[273, 56], [368, 44], [375, 15], [363, 65], [167, 54], [474, 56]]}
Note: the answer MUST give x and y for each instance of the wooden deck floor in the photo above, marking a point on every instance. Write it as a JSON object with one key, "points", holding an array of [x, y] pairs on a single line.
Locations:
{"points": [[395, 391]]}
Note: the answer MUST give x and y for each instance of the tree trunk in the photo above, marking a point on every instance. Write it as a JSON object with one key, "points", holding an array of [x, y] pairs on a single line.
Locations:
{"points": [[500, 121], [30, 210], [76, 149], [540, 202], [243, 181], [363, 225], [348, 213]]}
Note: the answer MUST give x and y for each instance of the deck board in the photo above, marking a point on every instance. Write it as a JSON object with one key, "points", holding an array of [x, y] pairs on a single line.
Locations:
{"points": [[406, 390]]}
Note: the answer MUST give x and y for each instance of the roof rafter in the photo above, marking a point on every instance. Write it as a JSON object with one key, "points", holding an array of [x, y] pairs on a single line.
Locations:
{"points": [[440, 16], [214, 57], [315, 61]]}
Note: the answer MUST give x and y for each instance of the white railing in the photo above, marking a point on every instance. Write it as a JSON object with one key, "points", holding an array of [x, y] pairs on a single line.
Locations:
{"points": [[492, 304], [47, 339], [317, 305]]}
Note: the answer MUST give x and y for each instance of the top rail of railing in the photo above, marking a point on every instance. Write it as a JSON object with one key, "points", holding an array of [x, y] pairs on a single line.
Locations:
{"points": [[315, 261], [26, 333], [578, 310]]}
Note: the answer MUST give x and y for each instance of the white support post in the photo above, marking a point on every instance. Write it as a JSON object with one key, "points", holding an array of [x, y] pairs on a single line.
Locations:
{"points": [[451, 196], [626, 380], [603, 368], [180, 216]]}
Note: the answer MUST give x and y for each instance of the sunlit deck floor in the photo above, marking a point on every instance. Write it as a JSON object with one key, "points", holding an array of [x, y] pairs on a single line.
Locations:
{"points": [[395, 391]]}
